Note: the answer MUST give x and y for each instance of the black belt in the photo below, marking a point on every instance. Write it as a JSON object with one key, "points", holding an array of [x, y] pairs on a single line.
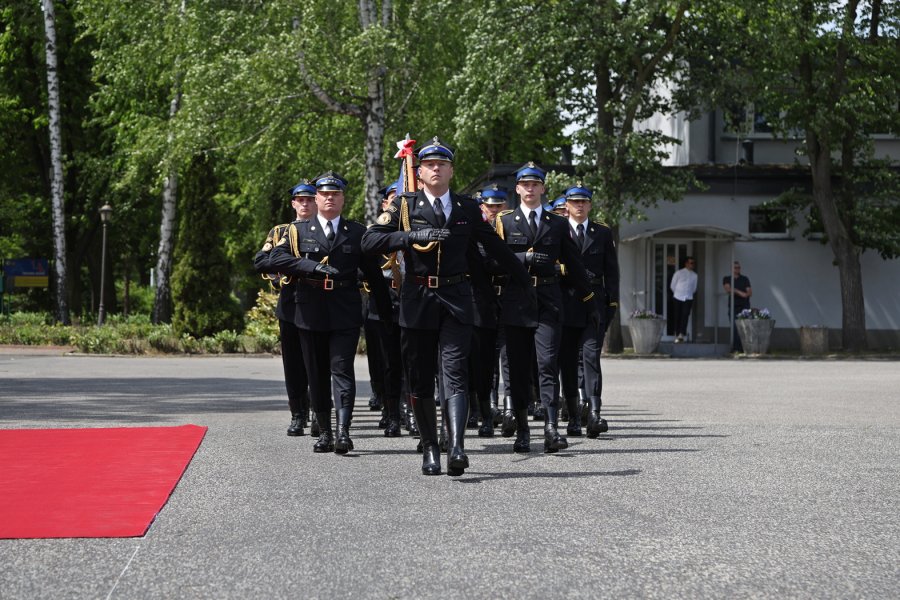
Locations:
{"points": [[500, 280], [433, 281], [536, 281], [327, 284]]}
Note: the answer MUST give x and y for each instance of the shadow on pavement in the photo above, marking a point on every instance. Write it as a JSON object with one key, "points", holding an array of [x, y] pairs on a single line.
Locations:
{"points": [[483, 477]]}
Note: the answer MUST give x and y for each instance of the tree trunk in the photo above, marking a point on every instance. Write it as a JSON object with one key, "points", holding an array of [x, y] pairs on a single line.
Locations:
{"points": [[56, 170], [162, 303], [374, 123], [846, 253]]}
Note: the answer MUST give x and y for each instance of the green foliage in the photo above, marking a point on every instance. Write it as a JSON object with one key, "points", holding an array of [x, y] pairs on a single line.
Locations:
{"points": [[201, 286], [261, 319]]}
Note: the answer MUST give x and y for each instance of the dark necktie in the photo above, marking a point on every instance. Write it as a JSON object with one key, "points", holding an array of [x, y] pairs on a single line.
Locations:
{"points": [[439, 212], [329, 231], [533, 224], [579, 234]]}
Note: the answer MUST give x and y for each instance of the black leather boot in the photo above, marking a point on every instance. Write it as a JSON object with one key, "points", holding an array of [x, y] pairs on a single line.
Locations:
{"points": [[487, 417], [325, 443], [342, 443], [553, 442], [596, 424], [375, 402], [411, 424], [508, 424], [383, 421], [495, 409], [585, 407], [523, 432], [296, 426], [426, 415], [457, 416], [442, 440], [314, 429], [391, 417], [539, 412], [574, 426]]}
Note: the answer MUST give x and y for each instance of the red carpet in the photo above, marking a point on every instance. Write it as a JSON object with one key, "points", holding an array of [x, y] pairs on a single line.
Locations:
{"points": [[86, 483]]}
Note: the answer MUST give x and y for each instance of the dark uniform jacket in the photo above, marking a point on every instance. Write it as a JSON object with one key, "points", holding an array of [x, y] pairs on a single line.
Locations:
{"points": [[447, 264], [287, 305], [318, 307], [370, 311], [554, 240], [599, 257]]}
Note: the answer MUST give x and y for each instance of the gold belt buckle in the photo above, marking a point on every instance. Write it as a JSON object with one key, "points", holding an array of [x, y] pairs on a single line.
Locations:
{"points": [[328, 284], [433, 282]]}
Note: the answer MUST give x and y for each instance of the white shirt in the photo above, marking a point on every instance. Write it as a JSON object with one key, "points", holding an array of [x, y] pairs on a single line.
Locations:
{"points": [[445, 203], [527, 212], [684, 284], [335, 223], [575, 224]]}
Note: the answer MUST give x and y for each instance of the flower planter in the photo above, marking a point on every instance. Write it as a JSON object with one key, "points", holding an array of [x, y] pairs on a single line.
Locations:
{"points": [[755, 334], [646, 334]]}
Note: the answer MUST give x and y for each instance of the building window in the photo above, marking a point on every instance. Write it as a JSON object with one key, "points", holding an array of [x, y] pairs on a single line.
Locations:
{"points": [[769, 222]]}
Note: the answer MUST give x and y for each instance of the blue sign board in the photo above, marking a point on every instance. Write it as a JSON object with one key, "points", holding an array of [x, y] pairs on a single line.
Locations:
{"points": [[26, 272]]}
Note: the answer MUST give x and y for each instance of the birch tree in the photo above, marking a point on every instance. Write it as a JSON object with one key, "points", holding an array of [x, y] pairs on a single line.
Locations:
{"points": [[56, 167]]}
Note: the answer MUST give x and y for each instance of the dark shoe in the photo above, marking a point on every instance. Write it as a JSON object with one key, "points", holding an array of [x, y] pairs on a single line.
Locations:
{"points": [[383, 421], [431, 460], [486, 430], [375, 402], [426, 416], [457, 416], [585, 407], [296, 426], [508, 421], [553, 442], [596, 424], [496, 413], [342, 443], [325, 443], [392, 429], [411, 424], [563, 410], [314, 429], [472, 421], [523, 433], [539, 412], [574, 426]]}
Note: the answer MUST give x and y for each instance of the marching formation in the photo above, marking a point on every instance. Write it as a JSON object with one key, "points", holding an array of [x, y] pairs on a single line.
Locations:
{"points": [[455, 294]]}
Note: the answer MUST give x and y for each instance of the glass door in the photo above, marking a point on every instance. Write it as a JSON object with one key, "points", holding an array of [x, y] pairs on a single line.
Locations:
{"points": [[667, 258]]}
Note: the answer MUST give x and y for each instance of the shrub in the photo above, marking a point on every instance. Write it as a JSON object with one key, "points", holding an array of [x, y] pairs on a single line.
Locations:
{"points": [[228, 341]]}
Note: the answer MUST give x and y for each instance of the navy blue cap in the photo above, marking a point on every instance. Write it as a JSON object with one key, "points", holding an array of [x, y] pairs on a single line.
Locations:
{"points": [[435, 150], [530, 172], [477, 198], [494, 195], [558, 203], [330, 182], [579, 192], [304, 188]]}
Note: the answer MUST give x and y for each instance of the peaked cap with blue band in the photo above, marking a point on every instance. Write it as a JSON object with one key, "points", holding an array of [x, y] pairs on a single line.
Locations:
{"points": [[530, 172], [330, 182], [304, 188], [493, 195], [435, 150], [558, 203], [579, 192], [387, 190]]}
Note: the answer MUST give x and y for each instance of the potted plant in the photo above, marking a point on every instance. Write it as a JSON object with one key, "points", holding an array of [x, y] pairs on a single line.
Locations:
{"points": [[646, 329], [755, 326]]}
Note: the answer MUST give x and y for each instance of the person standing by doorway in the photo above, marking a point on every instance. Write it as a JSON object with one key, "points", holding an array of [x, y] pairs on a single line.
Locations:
{"points": [[742, 292], [683, 286]]}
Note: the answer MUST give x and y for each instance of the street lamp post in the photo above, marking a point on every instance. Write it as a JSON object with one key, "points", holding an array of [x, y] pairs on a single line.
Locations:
{"points": [[105, 214]]}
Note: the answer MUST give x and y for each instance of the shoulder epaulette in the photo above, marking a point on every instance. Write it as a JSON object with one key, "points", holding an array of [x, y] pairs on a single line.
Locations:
{"points": [[503, 213], [601, 223]]}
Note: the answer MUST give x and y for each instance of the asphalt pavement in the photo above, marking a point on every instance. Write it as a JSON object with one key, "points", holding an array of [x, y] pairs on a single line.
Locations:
{"points": [[718, 478]]}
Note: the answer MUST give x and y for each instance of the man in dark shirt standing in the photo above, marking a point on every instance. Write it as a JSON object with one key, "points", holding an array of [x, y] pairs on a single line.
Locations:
{"points": [[742, 292]]}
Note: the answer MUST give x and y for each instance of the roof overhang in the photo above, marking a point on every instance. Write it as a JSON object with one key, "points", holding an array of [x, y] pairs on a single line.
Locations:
{"points": [[691, 233]]}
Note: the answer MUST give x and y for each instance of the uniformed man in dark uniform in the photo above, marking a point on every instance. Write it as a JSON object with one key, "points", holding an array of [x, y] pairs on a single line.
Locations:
{"points": [[594, 241], [303, 197], [326, 258], [436, 229], [540, 239]]}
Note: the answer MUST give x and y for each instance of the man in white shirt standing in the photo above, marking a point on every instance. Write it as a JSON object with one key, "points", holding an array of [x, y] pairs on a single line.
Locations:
{"points": [[683, 286]]}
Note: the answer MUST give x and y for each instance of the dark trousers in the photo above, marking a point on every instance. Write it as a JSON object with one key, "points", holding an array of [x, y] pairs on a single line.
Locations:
{"points": [[422, 348], [387, 339], [295, 380], [329, 362], [375, 356], [481, 362], [682, 314], [586, 343], [523, 345]]}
